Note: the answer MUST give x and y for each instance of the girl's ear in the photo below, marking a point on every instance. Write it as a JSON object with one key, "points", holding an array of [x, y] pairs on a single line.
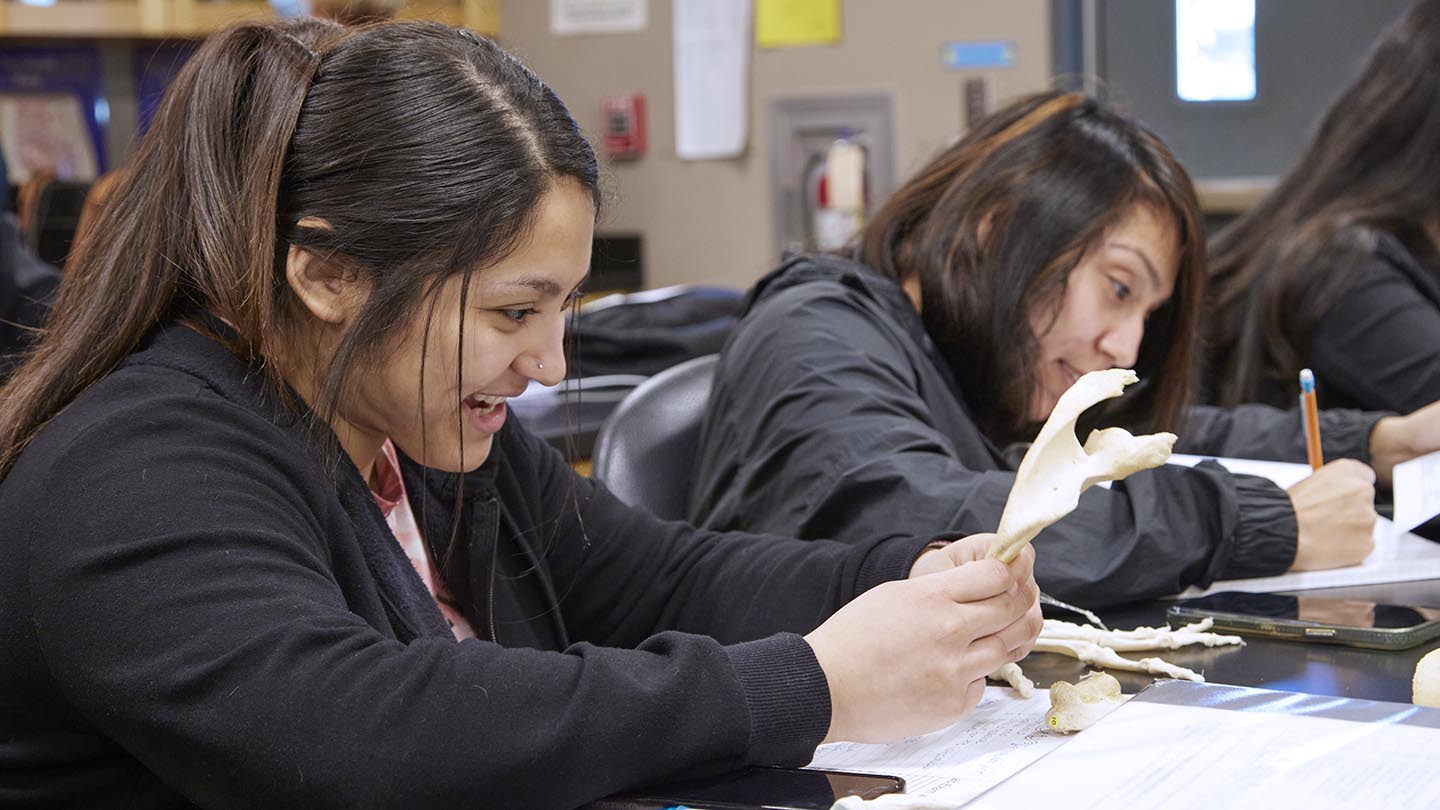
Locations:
{"points": [[329, 290]]}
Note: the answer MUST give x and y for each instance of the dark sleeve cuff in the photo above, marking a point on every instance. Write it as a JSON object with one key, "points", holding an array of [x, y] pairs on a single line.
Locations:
{"points": [[1265, 534], [892, 559], [788, 697], [1345, 433]]}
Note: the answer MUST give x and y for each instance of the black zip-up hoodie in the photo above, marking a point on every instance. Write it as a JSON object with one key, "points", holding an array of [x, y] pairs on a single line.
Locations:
{"points": [[835, 415], [193, 612]]}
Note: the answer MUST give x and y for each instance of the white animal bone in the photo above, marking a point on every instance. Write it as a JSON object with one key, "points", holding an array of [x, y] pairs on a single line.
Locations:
{"points": [[1426, 684], [1141, 638], [1013, 675], [1056, 469], [1091, 653], [1076, 706], [1102, 648]]}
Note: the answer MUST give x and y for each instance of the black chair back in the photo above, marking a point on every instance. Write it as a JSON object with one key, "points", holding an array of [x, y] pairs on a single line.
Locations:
{"points": [[56, 215], [646, 448]]}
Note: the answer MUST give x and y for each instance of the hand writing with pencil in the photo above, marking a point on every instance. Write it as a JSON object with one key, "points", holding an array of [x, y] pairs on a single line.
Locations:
{"points": [[1335, 516], [1335, 507]]}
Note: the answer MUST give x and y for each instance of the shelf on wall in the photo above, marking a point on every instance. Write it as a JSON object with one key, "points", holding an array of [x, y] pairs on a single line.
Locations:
{"points": [[1231, 195], [68, 19], [196, 18], [85, 18], [482, 16]]}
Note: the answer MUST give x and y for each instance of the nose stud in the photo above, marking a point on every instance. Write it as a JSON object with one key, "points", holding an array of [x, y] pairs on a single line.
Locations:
{"points": [[540, 365]]}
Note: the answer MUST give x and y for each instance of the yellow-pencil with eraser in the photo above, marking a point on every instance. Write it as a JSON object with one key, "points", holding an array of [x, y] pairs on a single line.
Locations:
{"points": [[1310, 413]]}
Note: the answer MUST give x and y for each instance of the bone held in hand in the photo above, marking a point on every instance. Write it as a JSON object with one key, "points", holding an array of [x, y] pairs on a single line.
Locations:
{"points": [[1056, 469]]}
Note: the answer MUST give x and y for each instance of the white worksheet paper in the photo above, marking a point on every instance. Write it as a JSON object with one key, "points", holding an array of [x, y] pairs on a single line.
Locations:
{"points": [[1285, 474], [1001, 736], [1195, 758], [1416, 484], [1399, 556]]}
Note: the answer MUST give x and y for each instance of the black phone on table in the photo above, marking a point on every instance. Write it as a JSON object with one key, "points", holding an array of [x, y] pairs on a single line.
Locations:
{"points": [[771, 788], [1326, 620]]}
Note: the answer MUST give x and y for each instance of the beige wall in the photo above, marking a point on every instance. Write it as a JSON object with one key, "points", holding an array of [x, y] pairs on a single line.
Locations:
{"points": [[711, 221]]}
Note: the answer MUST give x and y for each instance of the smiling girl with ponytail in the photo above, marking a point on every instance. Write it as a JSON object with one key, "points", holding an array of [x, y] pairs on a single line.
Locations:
{"points": [[269, 538]]}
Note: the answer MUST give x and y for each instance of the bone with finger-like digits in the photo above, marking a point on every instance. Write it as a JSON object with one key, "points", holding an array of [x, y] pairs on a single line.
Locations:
{"points": [[1056, 469], [1091, 653], [1141, 638], [1102, 648]]}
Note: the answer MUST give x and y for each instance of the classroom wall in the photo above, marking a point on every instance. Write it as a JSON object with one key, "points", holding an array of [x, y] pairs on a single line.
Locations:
{"points": [[117, 80], [712, 221], [1305, 52]]}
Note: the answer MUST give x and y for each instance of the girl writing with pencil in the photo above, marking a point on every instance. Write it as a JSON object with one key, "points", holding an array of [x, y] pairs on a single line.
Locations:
{"points": [[271, 540], [1338, 268], [885, 387]]}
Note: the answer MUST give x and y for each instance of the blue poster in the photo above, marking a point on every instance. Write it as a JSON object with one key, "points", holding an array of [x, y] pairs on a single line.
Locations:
{"points": [[156, 65]]}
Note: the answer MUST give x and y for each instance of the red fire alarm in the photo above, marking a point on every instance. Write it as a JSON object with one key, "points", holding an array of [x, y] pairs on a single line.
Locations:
{"points": [[624, 118]]}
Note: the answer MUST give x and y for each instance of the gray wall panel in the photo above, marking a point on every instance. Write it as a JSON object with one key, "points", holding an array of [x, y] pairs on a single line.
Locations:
{"points": [[1305, 52]]}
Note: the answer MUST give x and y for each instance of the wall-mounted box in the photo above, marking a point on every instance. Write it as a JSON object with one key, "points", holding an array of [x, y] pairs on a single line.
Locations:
{"points": [[802, 132]]}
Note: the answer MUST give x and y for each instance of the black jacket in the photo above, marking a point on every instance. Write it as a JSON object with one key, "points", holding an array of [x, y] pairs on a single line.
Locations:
{"points": [[193, 612], [1378, 346], [834, 415]]}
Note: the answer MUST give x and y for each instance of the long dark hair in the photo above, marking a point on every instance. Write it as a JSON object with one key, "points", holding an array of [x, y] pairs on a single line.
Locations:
{"points": [[423, 149], [1372, 166], [993, 226]]}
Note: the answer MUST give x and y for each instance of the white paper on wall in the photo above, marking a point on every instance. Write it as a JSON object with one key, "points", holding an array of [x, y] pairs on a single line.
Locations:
{"points": [[712, 75], [571, 17]]}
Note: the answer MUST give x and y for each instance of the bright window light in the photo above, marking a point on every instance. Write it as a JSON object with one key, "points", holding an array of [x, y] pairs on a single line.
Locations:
{"points": [[1215, 50]]}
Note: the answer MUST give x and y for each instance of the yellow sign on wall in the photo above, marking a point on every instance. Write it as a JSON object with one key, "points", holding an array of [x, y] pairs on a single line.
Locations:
{"points": [[790, 23]]}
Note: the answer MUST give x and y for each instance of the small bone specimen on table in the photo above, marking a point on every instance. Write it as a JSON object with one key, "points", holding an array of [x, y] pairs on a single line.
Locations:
{"points": [[1427, 680], [1013, 675], [1076, 706], [1056, 469]]}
